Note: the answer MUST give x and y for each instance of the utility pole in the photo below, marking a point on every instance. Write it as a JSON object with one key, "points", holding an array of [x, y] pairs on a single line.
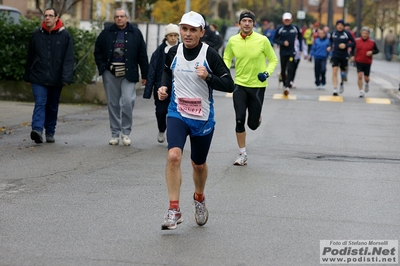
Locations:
{"points": [[133, 10], [187, 7], [301, 8], [330, 14], [345, 10], [359, 9]]}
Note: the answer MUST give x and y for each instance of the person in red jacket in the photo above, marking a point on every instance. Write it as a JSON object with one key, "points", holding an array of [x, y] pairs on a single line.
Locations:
{"points": [[362, 55]]}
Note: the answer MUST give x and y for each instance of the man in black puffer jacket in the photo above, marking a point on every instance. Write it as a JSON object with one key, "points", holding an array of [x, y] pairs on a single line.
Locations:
{"points": [[49, 66]]}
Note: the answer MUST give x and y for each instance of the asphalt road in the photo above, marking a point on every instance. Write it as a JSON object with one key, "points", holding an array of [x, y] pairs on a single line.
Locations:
{"points": [[317, 170]]}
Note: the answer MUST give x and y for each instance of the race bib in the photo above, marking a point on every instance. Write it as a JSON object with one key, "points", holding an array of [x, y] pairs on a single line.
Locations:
{"points": [[191, 106]]}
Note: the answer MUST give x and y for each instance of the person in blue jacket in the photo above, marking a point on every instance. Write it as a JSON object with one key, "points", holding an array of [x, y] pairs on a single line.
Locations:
{"points": [[154, 75], [319, 51]]}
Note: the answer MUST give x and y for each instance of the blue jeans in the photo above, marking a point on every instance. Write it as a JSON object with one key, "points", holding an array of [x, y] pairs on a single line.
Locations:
{"points": [[46, 108], [319, 71], [388, 52]]}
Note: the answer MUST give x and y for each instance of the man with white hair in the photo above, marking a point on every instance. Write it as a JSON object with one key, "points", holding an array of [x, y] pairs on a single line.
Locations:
{"points": [[364, 49], [119, 51]]}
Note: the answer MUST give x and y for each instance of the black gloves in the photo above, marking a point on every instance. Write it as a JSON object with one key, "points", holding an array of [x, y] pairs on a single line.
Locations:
{"points": [[263, 76]]}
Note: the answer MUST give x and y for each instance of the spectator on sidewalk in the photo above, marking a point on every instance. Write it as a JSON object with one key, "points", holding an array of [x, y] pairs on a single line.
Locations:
{"points": [[210, 36], [119, 51], [389, 40], [319, 51], [365, 47], [153, 82], [49, 67]]}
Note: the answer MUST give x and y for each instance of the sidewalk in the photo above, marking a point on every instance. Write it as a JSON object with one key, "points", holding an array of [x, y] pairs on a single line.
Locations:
{"points": [[14, 114]]}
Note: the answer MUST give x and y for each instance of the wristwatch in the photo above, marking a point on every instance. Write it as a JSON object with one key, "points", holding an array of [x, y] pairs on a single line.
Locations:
{"points": [[209, 77]]}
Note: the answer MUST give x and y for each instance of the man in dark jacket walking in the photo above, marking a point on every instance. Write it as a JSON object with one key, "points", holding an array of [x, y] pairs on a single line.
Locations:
{"points": [[118, 51], [49, 66]]}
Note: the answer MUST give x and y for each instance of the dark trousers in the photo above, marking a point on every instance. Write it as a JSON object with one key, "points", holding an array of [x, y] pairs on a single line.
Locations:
{"points": [[319, 71], [161, 111], [388, 52], [296, 64], [287, 69]]}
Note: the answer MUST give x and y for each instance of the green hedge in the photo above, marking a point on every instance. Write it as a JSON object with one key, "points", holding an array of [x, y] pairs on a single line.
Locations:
{"points": [[14, 41]]}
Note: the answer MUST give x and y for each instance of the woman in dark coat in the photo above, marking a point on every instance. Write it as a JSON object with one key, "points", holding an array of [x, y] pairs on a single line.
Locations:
{"points": [[156, 68]]}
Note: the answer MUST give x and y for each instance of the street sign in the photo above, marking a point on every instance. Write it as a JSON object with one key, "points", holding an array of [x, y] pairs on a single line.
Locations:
{"points": [[301, 14]]}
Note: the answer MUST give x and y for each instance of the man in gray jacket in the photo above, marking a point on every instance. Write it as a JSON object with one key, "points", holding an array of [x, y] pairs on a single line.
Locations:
{"points": [[119, 50]]}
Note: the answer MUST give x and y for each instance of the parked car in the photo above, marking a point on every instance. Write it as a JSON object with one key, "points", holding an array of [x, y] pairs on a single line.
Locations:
{"points": [[11, 12]]}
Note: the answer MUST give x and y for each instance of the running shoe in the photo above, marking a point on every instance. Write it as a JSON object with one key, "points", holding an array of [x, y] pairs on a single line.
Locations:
{"points": [[200, 212], [341, 88], [344, 76], [286, 92], [366, 88], [172, 219], [241, 159], [361, 94]]}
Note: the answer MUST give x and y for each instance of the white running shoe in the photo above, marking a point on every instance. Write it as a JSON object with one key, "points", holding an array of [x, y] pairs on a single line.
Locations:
{"points": [[114, 141], [341, 88], [200, 212], [366, 88], [241, 159], [161, 137], [126, 140], [171, 219]]}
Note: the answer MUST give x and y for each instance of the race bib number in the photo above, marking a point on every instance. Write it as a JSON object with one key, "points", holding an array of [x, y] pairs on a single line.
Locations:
{"points": [[191, 106]]}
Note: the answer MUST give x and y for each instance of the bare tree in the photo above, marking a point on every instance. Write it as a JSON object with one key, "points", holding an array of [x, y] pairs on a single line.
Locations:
{"points": [[59, 5], [320, 4]]}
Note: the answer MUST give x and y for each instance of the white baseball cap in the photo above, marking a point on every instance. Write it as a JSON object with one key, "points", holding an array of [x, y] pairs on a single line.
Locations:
{"points": [[287, 15], [193, 19]]}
